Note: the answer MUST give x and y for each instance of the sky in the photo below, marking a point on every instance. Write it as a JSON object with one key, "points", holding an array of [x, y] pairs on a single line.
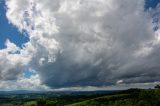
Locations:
{"points": [[79, 45], [8, 30]]}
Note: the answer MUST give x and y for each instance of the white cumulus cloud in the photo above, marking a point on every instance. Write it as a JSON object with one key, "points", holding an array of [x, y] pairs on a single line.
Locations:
{"points": [[83, 42]]}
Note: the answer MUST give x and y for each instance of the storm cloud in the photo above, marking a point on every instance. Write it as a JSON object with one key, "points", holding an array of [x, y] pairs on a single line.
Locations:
{"points": [[87, 42]]}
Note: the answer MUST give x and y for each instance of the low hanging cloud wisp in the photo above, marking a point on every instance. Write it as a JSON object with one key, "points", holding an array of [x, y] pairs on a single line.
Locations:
{"points": [[86, 42]]}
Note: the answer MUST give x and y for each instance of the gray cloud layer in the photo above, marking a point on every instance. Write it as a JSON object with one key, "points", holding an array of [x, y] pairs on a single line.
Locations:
{"points": [[88, 43]]}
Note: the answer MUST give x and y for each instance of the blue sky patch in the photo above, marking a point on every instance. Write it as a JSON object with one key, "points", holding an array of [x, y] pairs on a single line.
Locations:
{"points": [[151, 3], [28, 73], [8, 31]]}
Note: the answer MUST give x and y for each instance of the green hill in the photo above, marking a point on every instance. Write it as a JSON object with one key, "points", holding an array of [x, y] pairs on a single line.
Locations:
{"points": [[133, 98]]}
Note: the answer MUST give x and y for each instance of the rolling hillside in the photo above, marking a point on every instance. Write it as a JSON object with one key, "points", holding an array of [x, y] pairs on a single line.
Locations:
{"points": [[133, 98]]}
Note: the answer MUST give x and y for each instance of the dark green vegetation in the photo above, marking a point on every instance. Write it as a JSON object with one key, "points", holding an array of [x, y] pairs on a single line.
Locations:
{"points": [[60, 98], [131, 97]]}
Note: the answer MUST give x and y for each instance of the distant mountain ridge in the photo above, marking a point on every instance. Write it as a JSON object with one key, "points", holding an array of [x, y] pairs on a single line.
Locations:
{"points": [[55, 92], [19, 92]]}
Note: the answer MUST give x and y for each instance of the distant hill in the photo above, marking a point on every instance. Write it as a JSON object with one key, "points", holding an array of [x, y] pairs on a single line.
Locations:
{"points": [[18, 92], [56, 92]]}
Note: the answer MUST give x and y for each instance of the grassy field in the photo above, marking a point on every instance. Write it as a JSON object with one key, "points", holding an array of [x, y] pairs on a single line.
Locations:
{"points": [[101, 100], [31, 103]]}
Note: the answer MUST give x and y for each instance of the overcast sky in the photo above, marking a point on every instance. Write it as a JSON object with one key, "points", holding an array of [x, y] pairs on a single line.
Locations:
{"points": [[79, 44]]}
